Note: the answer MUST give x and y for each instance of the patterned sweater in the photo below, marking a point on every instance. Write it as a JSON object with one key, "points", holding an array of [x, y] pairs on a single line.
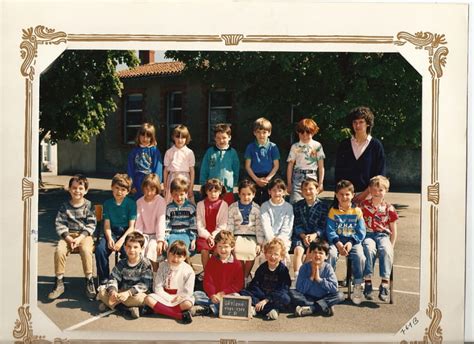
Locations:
{"points": [[137, 279], [78, 220], [181, 219]]}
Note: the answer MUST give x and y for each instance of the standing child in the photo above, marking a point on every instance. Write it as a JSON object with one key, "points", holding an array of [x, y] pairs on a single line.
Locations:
{"points": [[120, 213], [316, 288], [151, 219], [181, 216], [381, 221], [306, 159], [173, 286], [130, 279], [310, 222], [277, 214], [245, 223], [345, 230], [144, 159], [223, 274], [75, 224], [222, 162], [262, 159], [179, 160], [269, 289], [211, 215]]}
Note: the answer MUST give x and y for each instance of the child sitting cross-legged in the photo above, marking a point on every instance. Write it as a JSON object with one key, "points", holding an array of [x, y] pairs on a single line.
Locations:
{"points": [[223, 276], [173, 285], [316, 288], [270, 286], [130, 279]]}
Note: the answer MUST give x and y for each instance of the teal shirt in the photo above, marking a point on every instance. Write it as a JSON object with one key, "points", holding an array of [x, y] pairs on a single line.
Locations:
{"points": [[120, 215], [222, 164]]}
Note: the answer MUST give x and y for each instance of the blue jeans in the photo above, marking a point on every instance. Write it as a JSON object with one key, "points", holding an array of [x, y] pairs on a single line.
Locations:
{"points": [[357, 257], [300, 299], [202, 299], [297, 178], [279, 299], [102, 253], [373, 243]]}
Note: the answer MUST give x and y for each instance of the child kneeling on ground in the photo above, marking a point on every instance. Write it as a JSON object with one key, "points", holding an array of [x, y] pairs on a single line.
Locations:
{"points": [[173, 286], [316, 287], [130, 279]]}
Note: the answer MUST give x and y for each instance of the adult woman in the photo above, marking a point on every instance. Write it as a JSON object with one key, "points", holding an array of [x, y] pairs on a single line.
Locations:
{"points": [[362, 156]]}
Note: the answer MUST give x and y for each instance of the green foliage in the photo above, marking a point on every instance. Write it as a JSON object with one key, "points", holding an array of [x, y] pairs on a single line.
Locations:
{"points": [[78, 91], [324, 86]]}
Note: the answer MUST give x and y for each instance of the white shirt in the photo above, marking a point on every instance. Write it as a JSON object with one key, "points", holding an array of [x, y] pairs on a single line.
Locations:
{"points": [[359, 148]]}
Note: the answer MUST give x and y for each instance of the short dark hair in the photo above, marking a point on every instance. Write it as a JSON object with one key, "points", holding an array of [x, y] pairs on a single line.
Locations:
{"points": [[179, 184], [247, 183], [320, 245], [222, 128], [135, 237], [212, 184], [278, 182], [178, 248], [80, 179], [361, 112], [122, 180]]}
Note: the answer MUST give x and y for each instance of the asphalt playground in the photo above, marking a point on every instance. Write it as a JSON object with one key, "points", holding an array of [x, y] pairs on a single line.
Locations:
{"points": [[74, 312]]}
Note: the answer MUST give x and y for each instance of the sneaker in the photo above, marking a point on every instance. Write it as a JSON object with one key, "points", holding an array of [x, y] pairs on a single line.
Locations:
{"points": [[90, 289], [253, 312], [272, 315], [187, 317], [357, 297], [302, 311], [103, 307], [58, 289], [197, 310], [384, 292], [200, 276], [134, 312], [328, 312], [368, 291]]}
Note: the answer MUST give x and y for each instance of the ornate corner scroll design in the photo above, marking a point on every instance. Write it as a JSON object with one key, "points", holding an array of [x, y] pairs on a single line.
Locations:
{"points": [[228, 341], [23, 327], [433, 193], [29, 47], [27, 189], [433, 333], [232, 39]]}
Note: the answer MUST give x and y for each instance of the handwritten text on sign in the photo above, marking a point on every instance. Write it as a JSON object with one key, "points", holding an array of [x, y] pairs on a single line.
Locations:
{"points": [[235, 307]]}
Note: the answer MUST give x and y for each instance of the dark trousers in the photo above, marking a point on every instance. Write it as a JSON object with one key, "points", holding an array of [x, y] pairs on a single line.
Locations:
{"points": [[300, 299], [279, 299], [261, 194], [102, 253]]}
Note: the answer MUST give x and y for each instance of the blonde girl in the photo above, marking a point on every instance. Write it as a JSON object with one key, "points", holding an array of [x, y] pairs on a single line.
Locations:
{"points": [[144, 159], [179, 160]]}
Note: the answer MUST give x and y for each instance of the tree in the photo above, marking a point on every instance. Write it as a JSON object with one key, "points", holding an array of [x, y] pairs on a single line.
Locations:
{"points": [[78, 91], [324, 86]]}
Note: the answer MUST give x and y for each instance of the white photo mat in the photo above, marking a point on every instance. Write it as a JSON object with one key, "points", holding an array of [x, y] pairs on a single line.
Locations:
{"points": [[433, 38]]}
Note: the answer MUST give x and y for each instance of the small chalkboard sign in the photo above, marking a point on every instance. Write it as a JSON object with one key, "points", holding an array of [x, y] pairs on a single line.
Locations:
{"points": [[235, 307]]}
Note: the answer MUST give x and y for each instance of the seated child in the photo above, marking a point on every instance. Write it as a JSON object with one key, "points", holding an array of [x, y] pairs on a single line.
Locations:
{"points": [[130, 279], [223, 274], [151, 219], [310, 222], [211, 216], [75, 225], [381, 222], [181, 216], [316, 288], [245, 223], [120, 213], [277, 214], [345, 230], [269, 289], [173, 286]]}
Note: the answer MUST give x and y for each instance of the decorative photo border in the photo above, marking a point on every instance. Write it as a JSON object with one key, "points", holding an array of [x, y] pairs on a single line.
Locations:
{"points": [[434, 44]]}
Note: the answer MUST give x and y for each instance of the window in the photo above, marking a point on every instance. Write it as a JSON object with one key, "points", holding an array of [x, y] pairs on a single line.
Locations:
{"points": [[220, 109], [174, 111], [133, 116]]}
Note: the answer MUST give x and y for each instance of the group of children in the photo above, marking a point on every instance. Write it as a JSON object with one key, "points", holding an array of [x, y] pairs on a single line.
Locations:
{"points": [[156, 235]]}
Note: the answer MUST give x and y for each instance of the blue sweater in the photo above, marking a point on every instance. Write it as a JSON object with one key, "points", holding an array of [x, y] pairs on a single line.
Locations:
{"points": [[359, 171], [222, 164], [345, 226], [327, 285]]}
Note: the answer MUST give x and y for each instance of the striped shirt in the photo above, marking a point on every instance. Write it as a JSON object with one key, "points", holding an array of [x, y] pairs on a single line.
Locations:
{"points": [[137, 279], [79, 220], [181, 219]]}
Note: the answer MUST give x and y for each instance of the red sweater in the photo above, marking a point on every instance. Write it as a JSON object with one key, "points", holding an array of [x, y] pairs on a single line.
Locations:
{"points": [[223, 277]]}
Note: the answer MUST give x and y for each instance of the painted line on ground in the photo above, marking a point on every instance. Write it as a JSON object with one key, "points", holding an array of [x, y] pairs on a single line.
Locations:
{"points": [[407, 267], [85, 322]]}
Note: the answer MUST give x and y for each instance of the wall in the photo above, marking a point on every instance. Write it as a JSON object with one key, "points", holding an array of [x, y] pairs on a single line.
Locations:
{"points": [[76, 157]]}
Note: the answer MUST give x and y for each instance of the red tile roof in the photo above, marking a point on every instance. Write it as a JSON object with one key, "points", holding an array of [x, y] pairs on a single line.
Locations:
{"points": [[152, 69]]}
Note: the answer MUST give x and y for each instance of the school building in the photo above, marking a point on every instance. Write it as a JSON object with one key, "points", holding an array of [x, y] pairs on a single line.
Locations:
{"points": [[157, 92]]}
